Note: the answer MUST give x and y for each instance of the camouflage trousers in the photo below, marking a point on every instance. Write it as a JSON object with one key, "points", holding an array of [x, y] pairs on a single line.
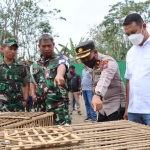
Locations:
{"points": [[10, 106], [60, 110]]}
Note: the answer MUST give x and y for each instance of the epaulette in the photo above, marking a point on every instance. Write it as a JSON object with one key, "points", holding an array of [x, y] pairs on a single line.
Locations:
{"points": [[19, 63]]}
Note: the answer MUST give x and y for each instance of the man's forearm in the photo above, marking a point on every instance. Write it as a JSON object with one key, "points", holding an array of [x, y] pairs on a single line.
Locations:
{"points": [[25, 91], [61, 70], [33, 89], [127, 94]]}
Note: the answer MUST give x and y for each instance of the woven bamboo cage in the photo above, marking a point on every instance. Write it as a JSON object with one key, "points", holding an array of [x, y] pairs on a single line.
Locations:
{"points": [[115, 135], [34, 138], [22, 115], [25, 120]]}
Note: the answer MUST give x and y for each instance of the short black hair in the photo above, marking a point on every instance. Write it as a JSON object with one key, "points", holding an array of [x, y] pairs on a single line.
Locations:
{"points": [[134, 17], [4, 45], [72, 66], [46, 37]]}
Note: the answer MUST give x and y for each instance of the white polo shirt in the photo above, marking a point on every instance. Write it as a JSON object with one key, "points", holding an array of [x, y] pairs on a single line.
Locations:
{"points": [[138, 73]]}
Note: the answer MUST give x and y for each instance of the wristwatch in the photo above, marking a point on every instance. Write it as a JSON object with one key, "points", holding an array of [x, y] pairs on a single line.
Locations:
{"points": [[99, 94]]}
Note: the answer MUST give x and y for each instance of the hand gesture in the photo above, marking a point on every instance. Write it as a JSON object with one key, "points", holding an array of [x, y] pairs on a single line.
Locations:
{"points": [[59, 80], [96, 103]]}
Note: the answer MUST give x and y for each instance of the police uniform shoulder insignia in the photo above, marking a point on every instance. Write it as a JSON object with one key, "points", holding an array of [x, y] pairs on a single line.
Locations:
{"points": [[97, 62], [98, 68], [104, 64], [19, 63]]}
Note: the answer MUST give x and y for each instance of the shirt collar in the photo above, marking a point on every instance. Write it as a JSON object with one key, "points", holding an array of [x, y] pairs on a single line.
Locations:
{"points": [[3, 62], [44, 60], [148, 40]]}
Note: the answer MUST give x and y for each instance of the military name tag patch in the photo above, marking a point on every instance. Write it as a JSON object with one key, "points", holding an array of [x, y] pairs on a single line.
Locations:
{"points": [[105, 64], [47, 73]]}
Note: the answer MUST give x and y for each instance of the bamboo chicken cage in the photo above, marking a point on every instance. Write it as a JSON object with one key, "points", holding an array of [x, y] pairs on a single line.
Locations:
{"points": [[115, 135], [25, 120], [34, 138]]}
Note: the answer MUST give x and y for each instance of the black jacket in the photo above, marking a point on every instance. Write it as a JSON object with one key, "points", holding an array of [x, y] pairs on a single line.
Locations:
{"points": [[73, 82]]}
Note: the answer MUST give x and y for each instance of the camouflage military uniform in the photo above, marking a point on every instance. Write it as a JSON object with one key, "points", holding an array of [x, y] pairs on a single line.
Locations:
{"points": [[29, 100], [1, 57], [51, 98], [12, 77]]}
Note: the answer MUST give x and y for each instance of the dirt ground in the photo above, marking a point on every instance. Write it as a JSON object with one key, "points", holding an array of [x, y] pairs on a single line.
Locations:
{"points": [[77, 119]]}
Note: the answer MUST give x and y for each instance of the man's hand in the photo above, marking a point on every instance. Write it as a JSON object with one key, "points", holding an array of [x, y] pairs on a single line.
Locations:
{"points": [[96, 103], [125, 117], [79, 92], [34, 98], [24, 104], [59, 80]]}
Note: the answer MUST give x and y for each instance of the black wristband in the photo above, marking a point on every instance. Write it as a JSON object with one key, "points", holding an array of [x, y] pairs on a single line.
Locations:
{"points": [[99, 94], [24, 100]]}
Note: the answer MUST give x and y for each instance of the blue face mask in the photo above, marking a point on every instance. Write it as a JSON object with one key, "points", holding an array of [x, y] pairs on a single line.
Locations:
{"points": [[90, 63]]}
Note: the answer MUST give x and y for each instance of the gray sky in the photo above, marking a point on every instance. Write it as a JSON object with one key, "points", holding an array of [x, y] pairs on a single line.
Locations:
{"points": [[80, 15]]}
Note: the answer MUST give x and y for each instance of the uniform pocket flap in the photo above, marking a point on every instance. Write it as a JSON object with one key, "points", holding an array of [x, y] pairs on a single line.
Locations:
{"points": [[2, 86]]}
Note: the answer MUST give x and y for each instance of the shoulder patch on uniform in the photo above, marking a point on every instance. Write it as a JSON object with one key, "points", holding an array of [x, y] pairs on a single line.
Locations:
{"points": [[18, 63], [65, 57], [104, 64]]}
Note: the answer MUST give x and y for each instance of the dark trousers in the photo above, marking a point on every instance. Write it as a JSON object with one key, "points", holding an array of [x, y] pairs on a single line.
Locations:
{"points": [[74, 103], [112, 117], [117, 115]]}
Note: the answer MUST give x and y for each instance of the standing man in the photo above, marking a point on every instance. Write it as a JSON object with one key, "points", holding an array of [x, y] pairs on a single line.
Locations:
{"points": [[47, 85], [109, 91], [137, 70], [74, 85], [87, 87], [13, 79]]}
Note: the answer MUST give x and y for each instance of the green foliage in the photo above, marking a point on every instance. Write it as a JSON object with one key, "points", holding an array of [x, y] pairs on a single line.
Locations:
{"points": [[70, 52], [109, 35], [26, 21]]}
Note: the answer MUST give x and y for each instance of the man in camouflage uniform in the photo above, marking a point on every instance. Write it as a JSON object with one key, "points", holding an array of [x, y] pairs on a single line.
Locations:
{"points": [[48, 81], [1, 58], [13, 79]]}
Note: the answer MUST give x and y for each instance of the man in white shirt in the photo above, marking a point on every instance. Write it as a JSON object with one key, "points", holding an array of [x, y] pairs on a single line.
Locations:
{"points": [[137, 70]]}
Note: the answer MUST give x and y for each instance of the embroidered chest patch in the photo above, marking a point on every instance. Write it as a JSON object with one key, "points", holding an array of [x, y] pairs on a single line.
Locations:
{"points": [[104, 64]]}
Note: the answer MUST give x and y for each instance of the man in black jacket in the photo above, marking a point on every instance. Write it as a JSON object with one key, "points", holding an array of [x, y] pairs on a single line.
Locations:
{"points": [[74, 85]]}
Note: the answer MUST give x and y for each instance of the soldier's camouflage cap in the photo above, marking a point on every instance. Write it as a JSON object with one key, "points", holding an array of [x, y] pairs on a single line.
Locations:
{"points": [[10, 42], [84, 49]]}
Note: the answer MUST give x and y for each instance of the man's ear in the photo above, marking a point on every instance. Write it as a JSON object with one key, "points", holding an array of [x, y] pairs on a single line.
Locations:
{"points": [[53, 44], [144, 25], [95, 52], [2, 49], [39, 46]]}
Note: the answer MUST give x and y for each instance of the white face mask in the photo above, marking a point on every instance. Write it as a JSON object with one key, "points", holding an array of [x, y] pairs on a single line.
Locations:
{"points": [[136, 39]]}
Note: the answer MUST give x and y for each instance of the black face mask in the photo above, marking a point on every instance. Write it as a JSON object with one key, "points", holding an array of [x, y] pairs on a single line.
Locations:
{"points": [[90, 63]]}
